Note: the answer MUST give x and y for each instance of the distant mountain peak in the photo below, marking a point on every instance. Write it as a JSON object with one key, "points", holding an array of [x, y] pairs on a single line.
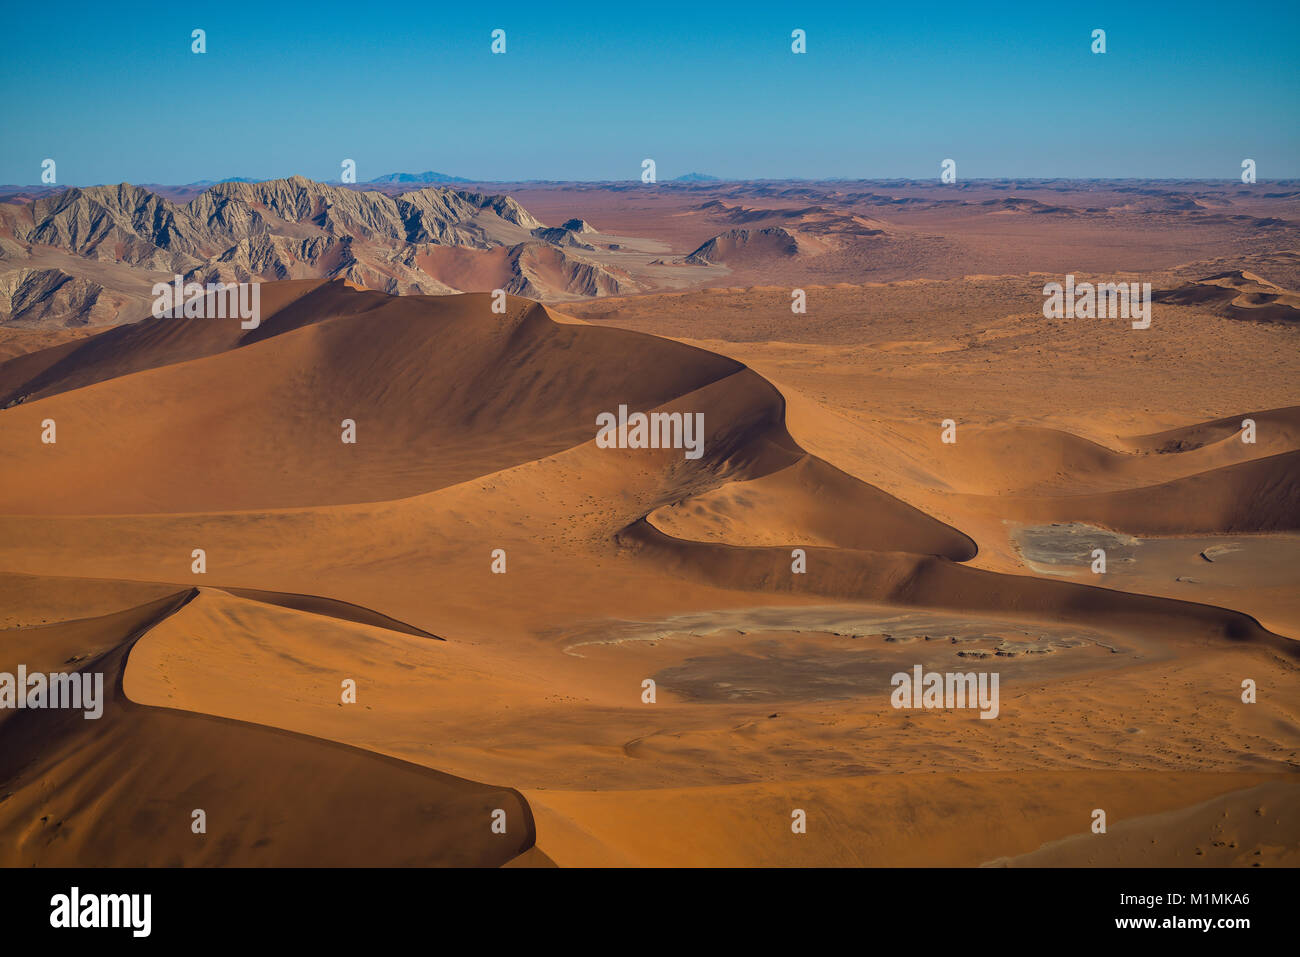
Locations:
{"points": [[227, 179], [427, 177]]}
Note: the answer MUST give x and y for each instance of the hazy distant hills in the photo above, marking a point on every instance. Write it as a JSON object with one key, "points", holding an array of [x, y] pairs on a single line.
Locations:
{"points": [[429, 177], [228, 179], [91, 255]]}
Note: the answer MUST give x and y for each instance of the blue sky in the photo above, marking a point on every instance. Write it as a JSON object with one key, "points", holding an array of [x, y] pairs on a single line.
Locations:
{"points": [[587, 90]]}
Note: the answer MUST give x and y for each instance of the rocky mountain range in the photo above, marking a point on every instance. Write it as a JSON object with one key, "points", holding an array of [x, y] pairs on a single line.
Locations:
{"points": [[89, 256]]}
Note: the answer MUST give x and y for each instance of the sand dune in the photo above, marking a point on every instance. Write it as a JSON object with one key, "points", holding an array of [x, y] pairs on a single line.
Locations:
{"points": [[747, 441], [476, 432], [810, 502], [143, 345], [1239, 295], [420, 425], [933, 582], [1278, 429], [76, 793], [1257, 496]]}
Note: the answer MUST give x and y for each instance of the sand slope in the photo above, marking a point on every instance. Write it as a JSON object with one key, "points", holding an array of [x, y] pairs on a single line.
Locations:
{"points": [[374, 562], [75, 791]]}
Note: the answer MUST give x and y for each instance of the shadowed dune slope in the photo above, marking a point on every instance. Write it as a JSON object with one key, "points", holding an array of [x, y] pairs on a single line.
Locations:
{"points": [[1017, 459], [1237, 294], [1197, 479], [1262, 495], [154, 342], [440, 390], [76, 791], [1272, 425], [811, 502], [931, 581], [477, 431], [330, 608], [444, 391]]}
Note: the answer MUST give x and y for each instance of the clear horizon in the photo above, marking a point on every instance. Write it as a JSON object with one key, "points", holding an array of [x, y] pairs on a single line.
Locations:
{"points": [[719, 181], [1010, 91]]}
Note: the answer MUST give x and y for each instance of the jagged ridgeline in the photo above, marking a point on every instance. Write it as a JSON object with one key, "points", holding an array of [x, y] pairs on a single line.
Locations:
{"points": [[90, 256]]}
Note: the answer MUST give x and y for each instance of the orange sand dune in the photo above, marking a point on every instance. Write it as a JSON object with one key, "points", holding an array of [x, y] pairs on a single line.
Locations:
{"points": [[810, 502], [143, 345], [1257, 496], [935, 582], [1272, 426], [746, 439], [76, 791], [450, 391], [476, 444]]}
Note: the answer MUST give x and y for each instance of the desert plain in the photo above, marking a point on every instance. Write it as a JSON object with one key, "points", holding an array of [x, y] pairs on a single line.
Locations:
{"points": [[915, 469]]}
